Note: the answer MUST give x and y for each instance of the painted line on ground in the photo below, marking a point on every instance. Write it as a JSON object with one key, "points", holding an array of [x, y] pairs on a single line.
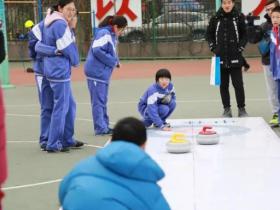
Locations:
{"points": [[135, 102], [36, 142], [31, 185], [38, 116]]}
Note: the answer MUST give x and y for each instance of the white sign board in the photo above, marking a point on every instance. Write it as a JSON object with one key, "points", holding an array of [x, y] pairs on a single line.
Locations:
{"points": [[131, 9], [256, 7]]}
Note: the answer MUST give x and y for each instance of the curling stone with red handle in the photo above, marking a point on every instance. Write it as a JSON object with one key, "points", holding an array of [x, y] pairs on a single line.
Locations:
{"points": [[207, 136]]}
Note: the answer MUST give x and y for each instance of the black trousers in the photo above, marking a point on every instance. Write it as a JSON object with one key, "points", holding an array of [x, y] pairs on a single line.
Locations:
{"points": [[237, 81]]}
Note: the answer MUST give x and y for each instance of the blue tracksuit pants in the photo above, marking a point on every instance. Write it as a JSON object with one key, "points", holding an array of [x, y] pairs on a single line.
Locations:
{"points": [[45, 95], [63, 116], [99, 97], [164, 111]]}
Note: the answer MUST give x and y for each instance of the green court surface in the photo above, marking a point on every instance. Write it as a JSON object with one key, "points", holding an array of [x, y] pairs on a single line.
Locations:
{"points": [[34, 175]]}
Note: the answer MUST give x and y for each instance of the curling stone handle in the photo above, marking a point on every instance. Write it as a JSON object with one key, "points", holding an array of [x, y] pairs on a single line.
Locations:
{"points": [[205, 128]]}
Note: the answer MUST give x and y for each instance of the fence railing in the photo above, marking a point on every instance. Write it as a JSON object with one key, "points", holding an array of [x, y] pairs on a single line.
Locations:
{"points": [[178, 23]]}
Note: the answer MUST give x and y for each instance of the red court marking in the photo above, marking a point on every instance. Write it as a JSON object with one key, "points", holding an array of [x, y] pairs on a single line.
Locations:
{"points": [[139, 70]]}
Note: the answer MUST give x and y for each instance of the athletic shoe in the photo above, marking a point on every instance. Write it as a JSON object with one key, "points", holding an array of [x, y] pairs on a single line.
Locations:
{"points": [[274, 120], [78, 144], [242, 112], [227, 112]]}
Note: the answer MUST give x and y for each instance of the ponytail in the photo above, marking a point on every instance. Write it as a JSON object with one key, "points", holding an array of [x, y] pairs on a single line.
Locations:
{"points": [[106, 21]]}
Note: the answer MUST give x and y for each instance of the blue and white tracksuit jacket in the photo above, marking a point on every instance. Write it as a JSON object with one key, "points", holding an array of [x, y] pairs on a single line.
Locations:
{"points": [[151, 107], [43, 86], [57, 70], [275, 61], [100, 63]]}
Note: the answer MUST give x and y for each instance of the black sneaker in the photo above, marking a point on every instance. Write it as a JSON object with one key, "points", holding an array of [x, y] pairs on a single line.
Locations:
{"points": [[242, 112], [43, 147], [227, 112], [78, 144]]}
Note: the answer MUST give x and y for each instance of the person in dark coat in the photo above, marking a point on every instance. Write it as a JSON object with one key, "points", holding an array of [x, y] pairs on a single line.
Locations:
{"points": [[2, 45], [226, 35]]}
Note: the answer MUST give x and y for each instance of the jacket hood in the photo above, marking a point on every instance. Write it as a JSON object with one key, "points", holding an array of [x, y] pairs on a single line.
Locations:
{"points": [[129, 160], [50, 18]]}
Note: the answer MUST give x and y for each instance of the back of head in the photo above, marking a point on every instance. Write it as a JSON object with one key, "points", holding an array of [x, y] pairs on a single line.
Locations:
{"points": [[268, 2], [131, 130], [119, 21], [163, 73]]}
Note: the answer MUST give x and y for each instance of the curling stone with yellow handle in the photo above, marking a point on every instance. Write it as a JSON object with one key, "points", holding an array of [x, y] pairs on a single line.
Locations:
{"points": [[207, 136], [178, 144]]}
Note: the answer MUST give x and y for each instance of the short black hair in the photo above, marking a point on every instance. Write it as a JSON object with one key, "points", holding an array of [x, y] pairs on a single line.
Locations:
{"points": [[276, 2], [276, 9], [163, 73], [130, 129], [231, 0]]}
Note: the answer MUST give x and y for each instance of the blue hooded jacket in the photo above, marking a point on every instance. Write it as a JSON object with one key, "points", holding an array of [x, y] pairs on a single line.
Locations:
{"points": [[102, 56], [58, 34], [275, 56], [152, 98], [120, 177]]}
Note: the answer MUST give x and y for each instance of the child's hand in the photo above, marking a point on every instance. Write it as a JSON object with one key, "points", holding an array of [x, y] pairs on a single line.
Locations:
{"points": [[166, 129], [73, 22]]}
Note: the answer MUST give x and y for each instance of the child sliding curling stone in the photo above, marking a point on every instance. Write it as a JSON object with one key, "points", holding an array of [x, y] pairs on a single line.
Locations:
{"points": [[158, 101]]}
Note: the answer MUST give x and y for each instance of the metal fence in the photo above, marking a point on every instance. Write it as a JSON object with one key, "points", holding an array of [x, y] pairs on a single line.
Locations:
{"points": [[171, 28], [169, 20]]}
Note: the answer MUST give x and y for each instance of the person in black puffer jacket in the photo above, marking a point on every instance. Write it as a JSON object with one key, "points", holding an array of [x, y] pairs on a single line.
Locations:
{"points": [[2, 44], [226, 35]]}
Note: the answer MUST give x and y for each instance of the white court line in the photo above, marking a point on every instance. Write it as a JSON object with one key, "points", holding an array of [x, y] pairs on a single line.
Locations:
{"points": [[35, 142], [37, 116], [41, 183], [135, 102], [31, 185]]}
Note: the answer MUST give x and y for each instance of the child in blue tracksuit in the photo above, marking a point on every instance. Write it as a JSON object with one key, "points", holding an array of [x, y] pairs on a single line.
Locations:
{"points": [[57, 69], [275, 49], [44, 91], [102, 58], [120, 176], [158, 102]]}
